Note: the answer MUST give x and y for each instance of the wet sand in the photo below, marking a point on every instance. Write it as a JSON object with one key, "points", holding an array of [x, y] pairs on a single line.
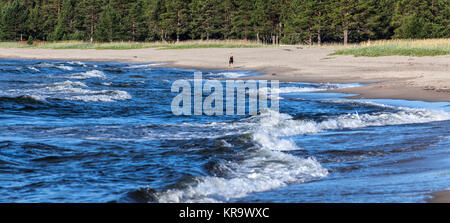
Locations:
{"points": [[440, 197]]}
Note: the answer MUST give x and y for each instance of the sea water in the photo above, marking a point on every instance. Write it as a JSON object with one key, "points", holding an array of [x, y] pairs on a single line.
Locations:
{"points": [[104, 132]]}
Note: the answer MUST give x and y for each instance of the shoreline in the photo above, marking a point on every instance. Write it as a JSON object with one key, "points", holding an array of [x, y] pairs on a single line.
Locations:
{"points": [[440, 197], [417, 79], [391, 77]]}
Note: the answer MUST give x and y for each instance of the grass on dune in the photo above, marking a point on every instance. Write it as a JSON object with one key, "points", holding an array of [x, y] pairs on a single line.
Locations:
{"points": [[134, 45], [418, 48]]}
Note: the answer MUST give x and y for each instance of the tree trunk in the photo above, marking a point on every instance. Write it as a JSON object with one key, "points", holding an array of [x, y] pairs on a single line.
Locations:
{"points": [[319, 39], [178, 26], [345, 36], [134, 30], [58, 7], [92, 25]]}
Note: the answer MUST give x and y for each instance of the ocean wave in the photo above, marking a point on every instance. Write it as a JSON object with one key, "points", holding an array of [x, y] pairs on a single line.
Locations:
{"points": [[103, 96], [315, 88], [31, 99], [33, 69], [70, 90], [283, 125], [267, 167], [88, 74], [144, 65], [58, 66], [78, 63], [265, 170], [228, 75]]}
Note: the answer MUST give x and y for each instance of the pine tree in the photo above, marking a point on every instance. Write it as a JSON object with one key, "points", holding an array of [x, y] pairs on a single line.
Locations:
{"points": [[138, 21], [50, 10], [261, 20], [441, 18], [35, 21], [412, 19], [175, 18], [13, 21], [156, 30], [376, 17], [307, 21], [107, 27], [86, 17], [242, 27], [2, 35], [64, 28], [344, 16]]}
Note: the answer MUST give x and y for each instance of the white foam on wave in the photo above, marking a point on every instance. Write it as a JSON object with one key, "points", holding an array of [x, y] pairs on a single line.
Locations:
{"points": [[144, 65], [79, 63], [315, 88], [104, 96], [70, 90], [268, 167], [265, 170], [63, 67], [58, 66], [33, 68], [283, 125], [229, 75], [88, 74]]}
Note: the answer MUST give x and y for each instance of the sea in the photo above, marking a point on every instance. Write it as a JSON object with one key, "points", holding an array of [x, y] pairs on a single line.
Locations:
{"points": [[99, 132]]}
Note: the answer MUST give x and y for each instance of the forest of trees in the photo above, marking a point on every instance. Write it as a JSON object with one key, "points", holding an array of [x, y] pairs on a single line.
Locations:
{"points": [[268, 21]]}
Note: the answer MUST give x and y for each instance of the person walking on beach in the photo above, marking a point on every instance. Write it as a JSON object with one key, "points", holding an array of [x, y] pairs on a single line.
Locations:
{"points": [[231, 61]]}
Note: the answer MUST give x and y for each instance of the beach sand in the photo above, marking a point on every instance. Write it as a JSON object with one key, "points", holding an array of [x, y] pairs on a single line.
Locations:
{"points": [[440, 197], [395, 77]]}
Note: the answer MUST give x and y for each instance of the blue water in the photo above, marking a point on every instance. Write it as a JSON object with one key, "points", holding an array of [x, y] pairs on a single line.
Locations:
{"points": [[104, 132]]}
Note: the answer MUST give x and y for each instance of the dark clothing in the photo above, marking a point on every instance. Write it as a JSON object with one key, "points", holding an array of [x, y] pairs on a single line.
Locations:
{"points": [[231, 60]]}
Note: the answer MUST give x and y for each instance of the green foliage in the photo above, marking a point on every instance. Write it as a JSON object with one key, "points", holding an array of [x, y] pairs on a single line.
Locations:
{"points": [[30, 40], [107, 28], [267, 21], [13, 19]]}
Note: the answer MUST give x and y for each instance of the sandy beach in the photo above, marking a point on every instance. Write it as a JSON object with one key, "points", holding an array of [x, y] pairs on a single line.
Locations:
{"points": [[440, 197], [395, 77]]}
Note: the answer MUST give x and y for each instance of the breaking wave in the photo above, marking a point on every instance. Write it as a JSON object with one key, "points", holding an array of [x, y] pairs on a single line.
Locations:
{"points": [[58, 66], [267, 167], [88, 74], [144, 65], [70, 90]]}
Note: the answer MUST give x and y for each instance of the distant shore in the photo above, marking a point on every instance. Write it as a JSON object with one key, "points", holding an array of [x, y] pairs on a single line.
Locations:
{"points": [[393, 77]]}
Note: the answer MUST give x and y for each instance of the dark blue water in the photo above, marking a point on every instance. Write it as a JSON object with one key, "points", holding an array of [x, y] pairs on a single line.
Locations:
{"points": [[105, 132]]}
